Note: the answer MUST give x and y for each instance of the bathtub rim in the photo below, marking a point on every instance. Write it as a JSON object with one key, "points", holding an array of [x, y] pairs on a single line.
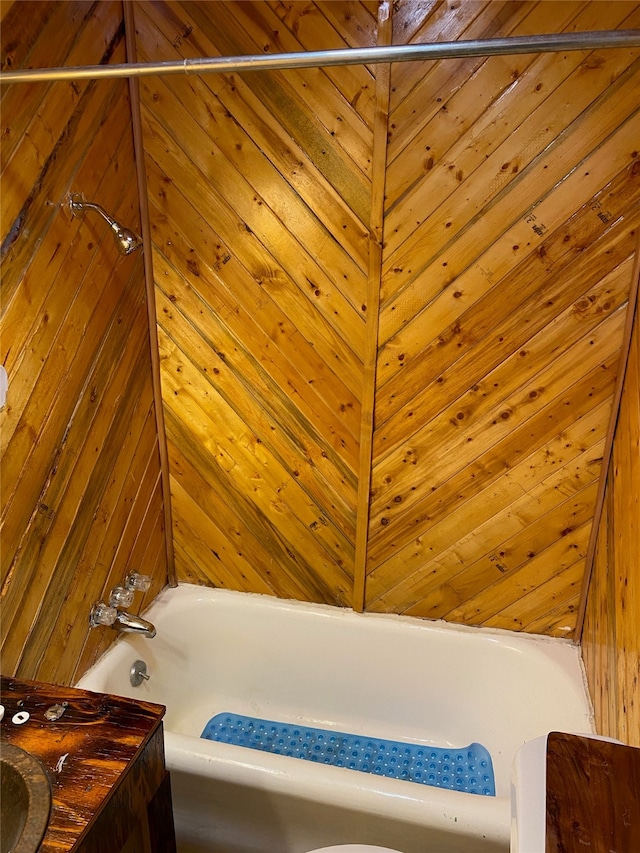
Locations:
{"points": [[338, 787], [187, 593], [562, 652], [204, 593]]}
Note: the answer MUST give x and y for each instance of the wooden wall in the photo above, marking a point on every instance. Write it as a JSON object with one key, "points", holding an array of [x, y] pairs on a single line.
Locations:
{"points": [[81, 501], [511, 205], [611, 636], [413, 280], [390, 307], [259, 193]]}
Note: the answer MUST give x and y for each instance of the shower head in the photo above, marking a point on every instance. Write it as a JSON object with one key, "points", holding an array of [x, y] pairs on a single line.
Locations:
{"points": [[127, 241]]}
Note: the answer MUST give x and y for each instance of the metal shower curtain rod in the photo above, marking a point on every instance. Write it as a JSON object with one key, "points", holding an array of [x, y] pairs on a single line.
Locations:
{"points": [[345, 56]]}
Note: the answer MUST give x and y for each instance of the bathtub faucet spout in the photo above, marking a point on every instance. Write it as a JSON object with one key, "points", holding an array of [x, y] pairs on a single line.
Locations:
{"points": [[107, 614], [134, 624]]}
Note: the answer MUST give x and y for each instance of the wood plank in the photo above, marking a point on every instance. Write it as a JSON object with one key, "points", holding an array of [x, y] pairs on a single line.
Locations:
{"points": [[627, 546], [288, 572], [67, 504], [545, 425], [299, 518], [570, 219], [27, 462], [465, 275], [273, 277], [557, 599], [201, 539], [262, 216], [625, 352], [584, 315], [157, 36], [72, 492], [321, 472], [383, 77], [298, 117], [485, 423], [352, 19], [114, 511], [497, 198], [147, 524], [38, 144], [465, 128], [317, 23], [32, 319], [340, 109], [454, 361], [515, 553], [43, 38], [540, 571], [432, 22], [488, 530], [145, 232], [235, 296], [228, 126], [468, 499]]}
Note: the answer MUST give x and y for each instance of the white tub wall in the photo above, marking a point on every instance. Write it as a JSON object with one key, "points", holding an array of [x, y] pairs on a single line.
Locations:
{"points": [[218, 816], [399, 810]]}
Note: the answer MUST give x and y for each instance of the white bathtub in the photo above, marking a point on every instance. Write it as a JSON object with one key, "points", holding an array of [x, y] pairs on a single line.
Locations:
{"points": [[380, 676]]}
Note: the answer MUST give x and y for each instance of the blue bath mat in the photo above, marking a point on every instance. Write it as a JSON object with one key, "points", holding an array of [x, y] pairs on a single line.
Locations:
{"points": [[467, 769]]}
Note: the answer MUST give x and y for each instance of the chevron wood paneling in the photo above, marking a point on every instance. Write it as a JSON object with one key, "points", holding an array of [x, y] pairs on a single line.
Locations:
{"points": [[259, 190], [611, 637], [493, 275], [80, 497], [512, 201], [391, 305]]}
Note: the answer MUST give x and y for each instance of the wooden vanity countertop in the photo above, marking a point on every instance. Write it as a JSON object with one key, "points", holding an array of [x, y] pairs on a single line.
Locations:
{"points": [[593, 795], [86, 753]]}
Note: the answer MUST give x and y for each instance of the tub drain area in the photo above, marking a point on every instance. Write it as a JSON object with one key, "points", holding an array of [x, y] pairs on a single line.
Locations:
{"points": [[466, 769]]}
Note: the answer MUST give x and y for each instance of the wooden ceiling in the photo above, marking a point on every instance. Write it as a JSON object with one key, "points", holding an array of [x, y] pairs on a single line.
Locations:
{"points": [[391, 301]]}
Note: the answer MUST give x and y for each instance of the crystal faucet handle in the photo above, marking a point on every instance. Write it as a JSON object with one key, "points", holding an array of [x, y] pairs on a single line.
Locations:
{"points": [[121, 597], [138, 582], [102, 614]]}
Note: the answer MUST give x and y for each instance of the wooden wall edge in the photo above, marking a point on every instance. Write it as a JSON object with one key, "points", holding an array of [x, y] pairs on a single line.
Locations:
{"points": [[633, 309], [376, 220], [145, 225]]}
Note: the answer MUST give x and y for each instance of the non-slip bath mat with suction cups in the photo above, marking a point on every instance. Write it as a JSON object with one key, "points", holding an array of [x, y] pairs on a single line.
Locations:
{"points": [[466, 769]]}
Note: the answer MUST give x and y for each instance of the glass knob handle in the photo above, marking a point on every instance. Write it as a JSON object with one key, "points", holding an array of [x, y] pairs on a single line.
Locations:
{"points": [[138, 582], [121, 597], [102, 614]]}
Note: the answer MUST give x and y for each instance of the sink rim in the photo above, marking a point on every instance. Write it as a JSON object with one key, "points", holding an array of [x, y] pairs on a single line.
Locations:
{"points": [[39, 788]]}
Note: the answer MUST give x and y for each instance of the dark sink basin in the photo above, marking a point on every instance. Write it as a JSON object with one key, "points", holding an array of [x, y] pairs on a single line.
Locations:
{"points": [[25, 800]]}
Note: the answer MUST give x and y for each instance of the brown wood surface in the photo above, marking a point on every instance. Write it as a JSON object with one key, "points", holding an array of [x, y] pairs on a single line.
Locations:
{"points": [[379, 159], [103, 750], [145, 233], [262, 292], [390, 316], [500, 327], [611, 635], [79, 446], [510, 206], [592, 795]]}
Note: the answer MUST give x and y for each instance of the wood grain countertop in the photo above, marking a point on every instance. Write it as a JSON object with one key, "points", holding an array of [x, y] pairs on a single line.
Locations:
{"points": [[87, 752]]}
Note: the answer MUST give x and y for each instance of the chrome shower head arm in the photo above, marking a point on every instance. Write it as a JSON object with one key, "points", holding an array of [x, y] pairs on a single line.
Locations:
{"points": [[78, 205], [127, 241]]}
